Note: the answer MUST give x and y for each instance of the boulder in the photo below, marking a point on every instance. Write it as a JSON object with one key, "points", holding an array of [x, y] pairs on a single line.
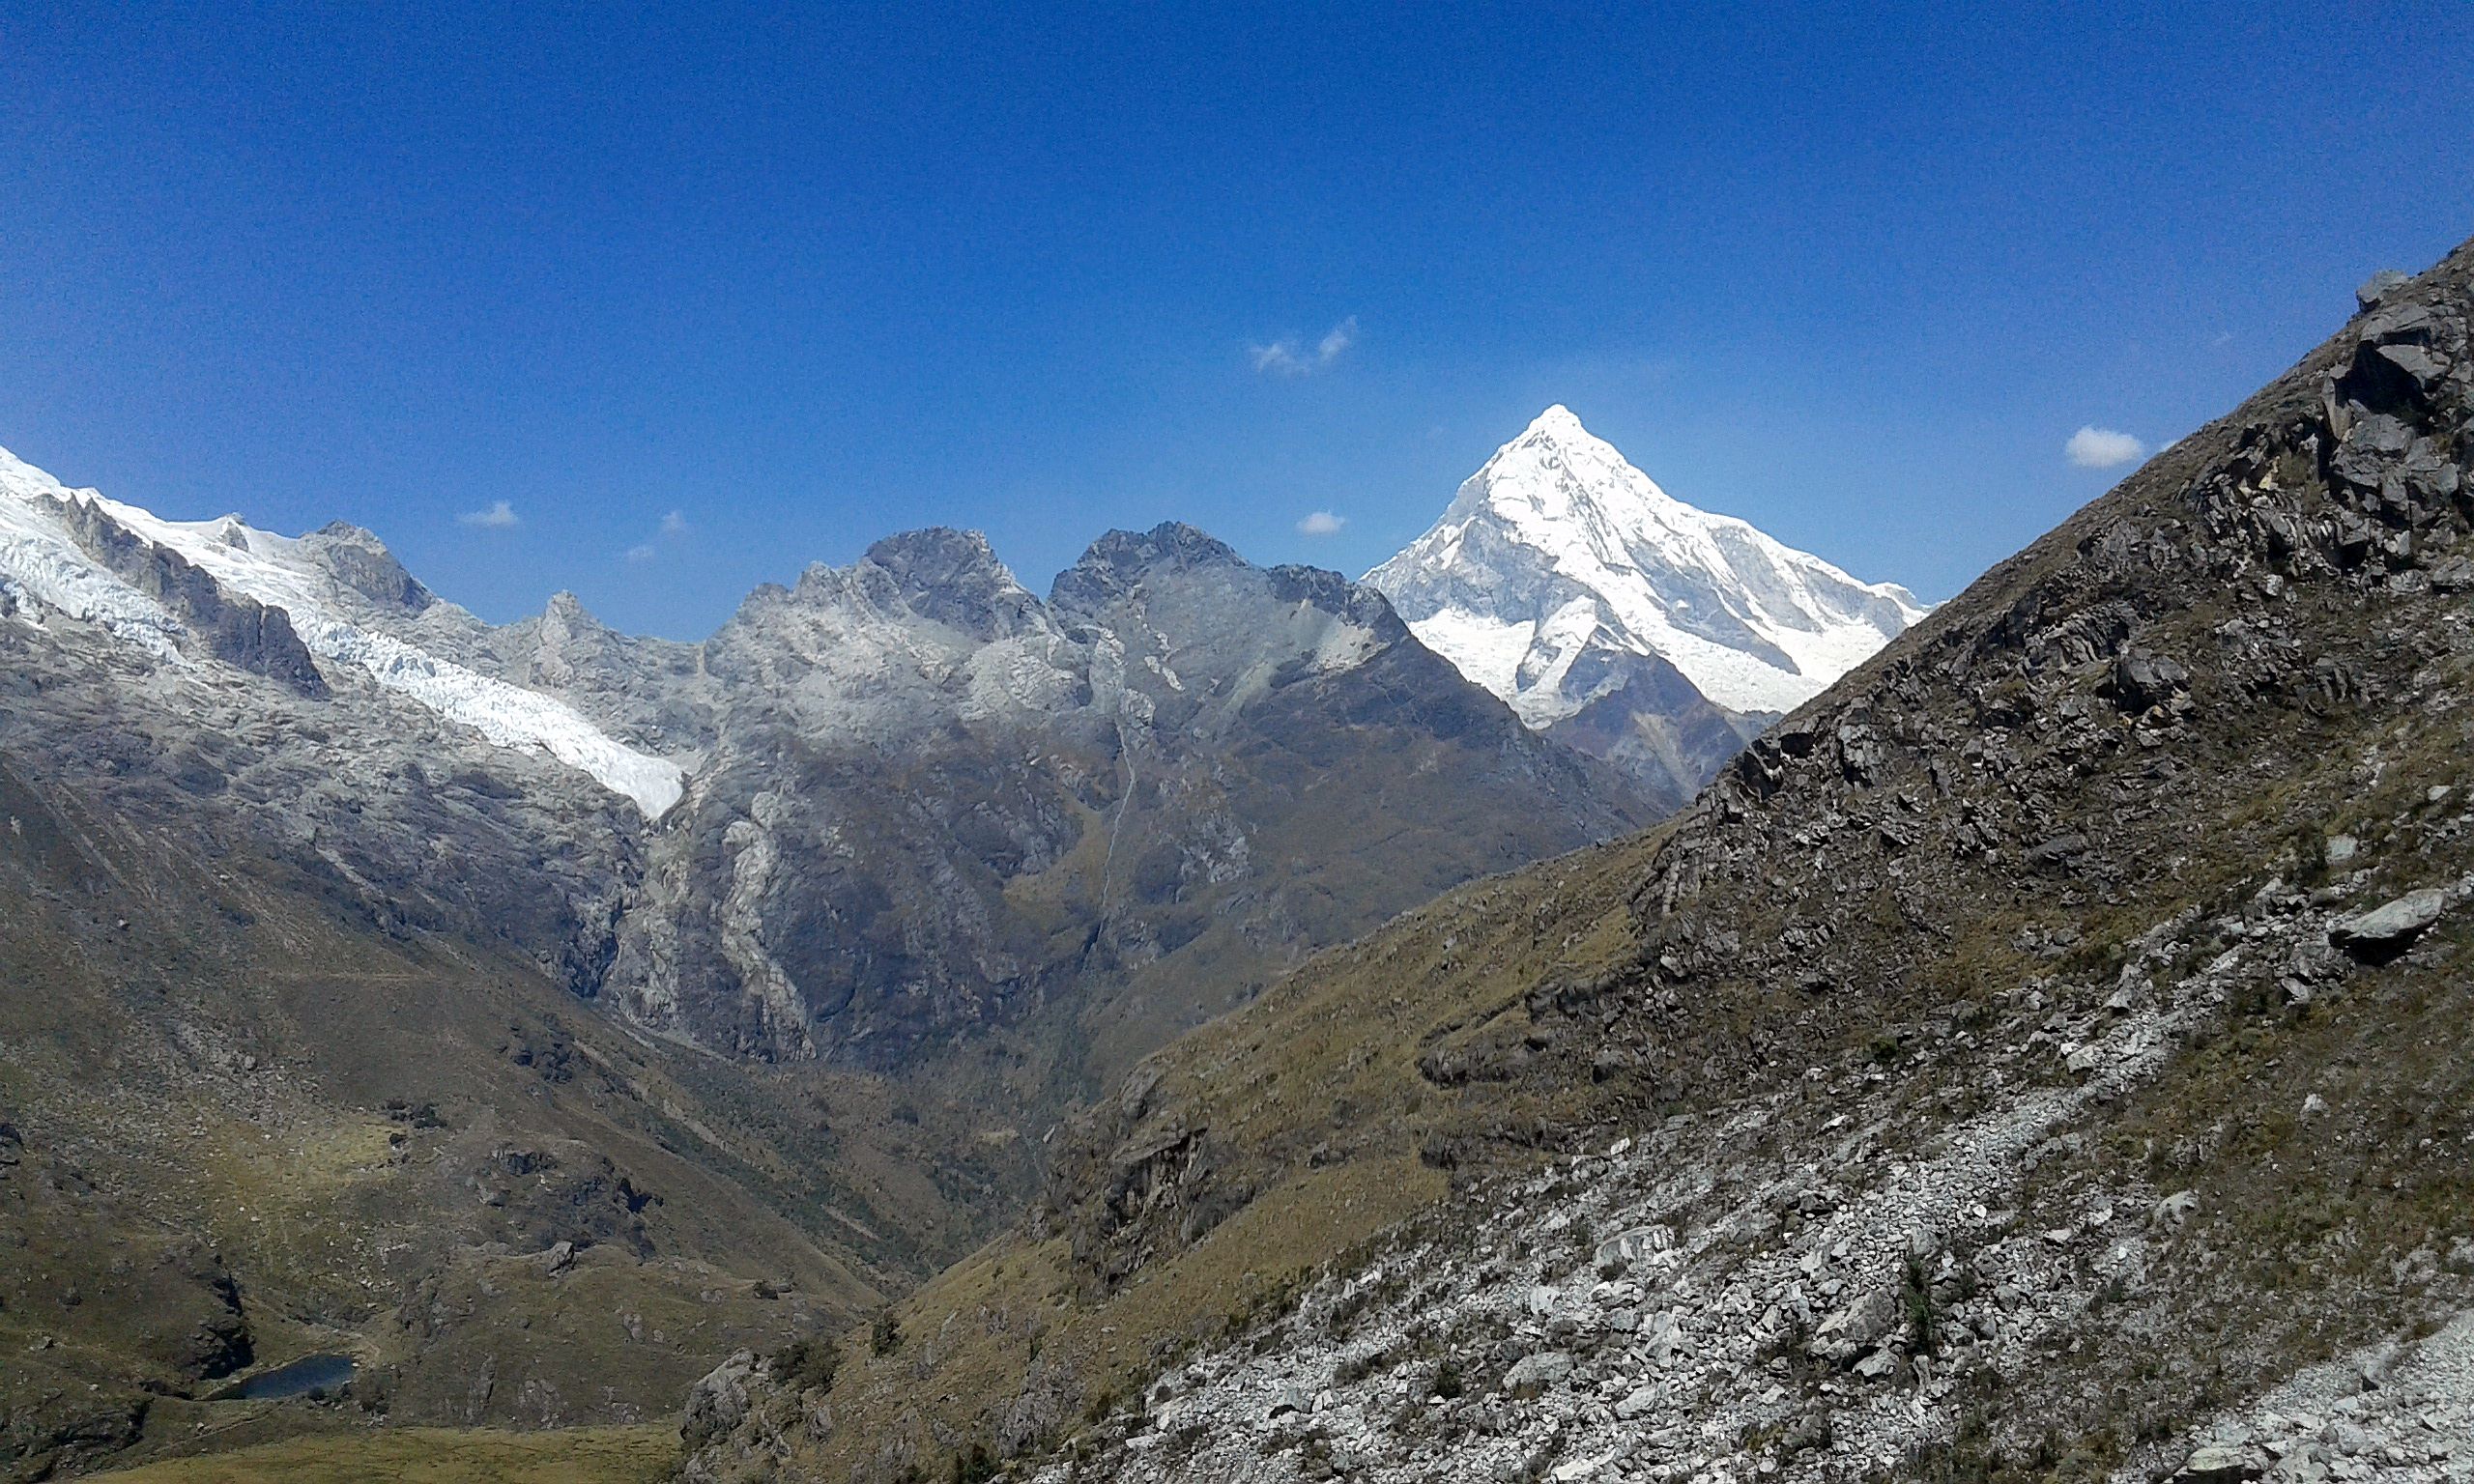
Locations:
{"points": [[1541, 1370], [1640, 1401], [1864, 1323], [2174, 1210], [2058, 852], [2385, 931], [2142, 680], [2220, 1463], [2379, 286], [1662, 1337], [2374, 443], [719, 1403], [2400, 322], [2415, 361], [1634, 1247]]}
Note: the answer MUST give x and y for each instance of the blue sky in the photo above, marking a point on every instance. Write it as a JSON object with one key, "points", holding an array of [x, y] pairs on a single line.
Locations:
{"points": [[707, 294]]}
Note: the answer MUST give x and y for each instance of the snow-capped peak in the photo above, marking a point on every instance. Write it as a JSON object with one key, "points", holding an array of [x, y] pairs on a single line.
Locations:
{"points": [[39, 559], [1559, 549]]}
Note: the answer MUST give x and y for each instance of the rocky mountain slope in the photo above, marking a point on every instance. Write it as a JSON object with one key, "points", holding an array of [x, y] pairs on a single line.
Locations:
{"points": [[2045, 1054], [937, 804], [363, 953], [1611, 614]]}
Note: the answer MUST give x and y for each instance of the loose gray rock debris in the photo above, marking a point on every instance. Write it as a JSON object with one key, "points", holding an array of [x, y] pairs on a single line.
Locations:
{"points": [[2389, 1412]]}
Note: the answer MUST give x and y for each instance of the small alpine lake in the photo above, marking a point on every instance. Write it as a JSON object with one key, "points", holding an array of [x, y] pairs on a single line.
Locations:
{"points": [[293, 1377]]}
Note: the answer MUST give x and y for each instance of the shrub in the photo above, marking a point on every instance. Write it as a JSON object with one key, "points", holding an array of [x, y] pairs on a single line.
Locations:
{"points": [[807, 1365], [1919, 1306]]}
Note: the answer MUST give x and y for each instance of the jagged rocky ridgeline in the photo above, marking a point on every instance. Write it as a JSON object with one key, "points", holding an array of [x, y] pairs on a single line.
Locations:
{"points": [[909, 797], [937, 800], [2047, 1053]]}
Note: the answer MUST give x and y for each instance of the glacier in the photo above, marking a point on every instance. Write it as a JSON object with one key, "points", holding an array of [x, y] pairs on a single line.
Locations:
{"points": [[39, 559]]}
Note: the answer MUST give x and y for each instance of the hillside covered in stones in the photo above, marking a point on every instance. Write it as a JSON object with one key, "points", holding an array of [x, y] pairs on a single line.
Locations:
{"points": [[2048, 1053]]}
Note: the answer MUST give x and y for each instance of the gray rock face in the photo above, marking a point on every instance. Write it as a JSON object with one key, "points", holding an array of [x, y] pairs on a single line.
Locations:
{"points": [[934, 801], [1647, 718], [719, 1402], [235, 629], [360, 561], [359, 790]]}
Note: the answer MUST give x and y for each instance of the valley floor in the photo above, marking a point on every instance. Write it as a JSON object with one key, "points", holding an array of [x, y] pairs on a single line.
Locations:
{"points": [[432, 1455]]}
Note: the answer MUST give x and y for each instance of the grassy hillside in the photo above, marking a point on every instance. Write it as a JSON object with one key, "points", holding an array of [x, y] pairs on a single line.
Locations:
{"points": [[241, 1126], [1249, 1156], [432, 1455]]}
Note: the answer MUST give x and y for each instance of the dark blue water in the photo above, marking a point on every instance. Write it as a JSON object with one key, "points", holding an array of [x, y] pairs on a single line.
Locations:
{"points": [[296, 1378]]}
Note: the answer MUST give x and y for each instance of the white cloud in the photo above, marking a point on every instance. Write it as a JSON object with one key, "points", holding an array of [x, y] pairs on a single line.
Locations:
{"points": [[2095, 447], [1278, 358], [1336, 340], [673, 525], [1322, 523], [1288, 356], [501, 516]]}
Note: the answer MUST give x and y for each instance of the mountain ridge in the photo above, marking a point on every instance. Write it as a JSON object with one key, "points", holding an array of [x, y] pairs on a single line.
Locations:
{"points": [[1708, 592]]}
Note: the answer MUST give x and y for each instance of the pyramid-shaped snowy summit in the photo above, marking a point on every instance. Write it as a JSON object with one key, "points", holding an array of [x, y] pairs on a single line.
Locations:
{"points": [[1558, 560]]}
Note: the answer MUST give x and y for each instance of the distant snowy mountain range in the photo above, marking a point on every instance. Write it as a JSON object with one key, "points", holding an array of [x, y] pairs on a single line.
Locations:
{"points": [[320, 581], [1604, 612]]}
